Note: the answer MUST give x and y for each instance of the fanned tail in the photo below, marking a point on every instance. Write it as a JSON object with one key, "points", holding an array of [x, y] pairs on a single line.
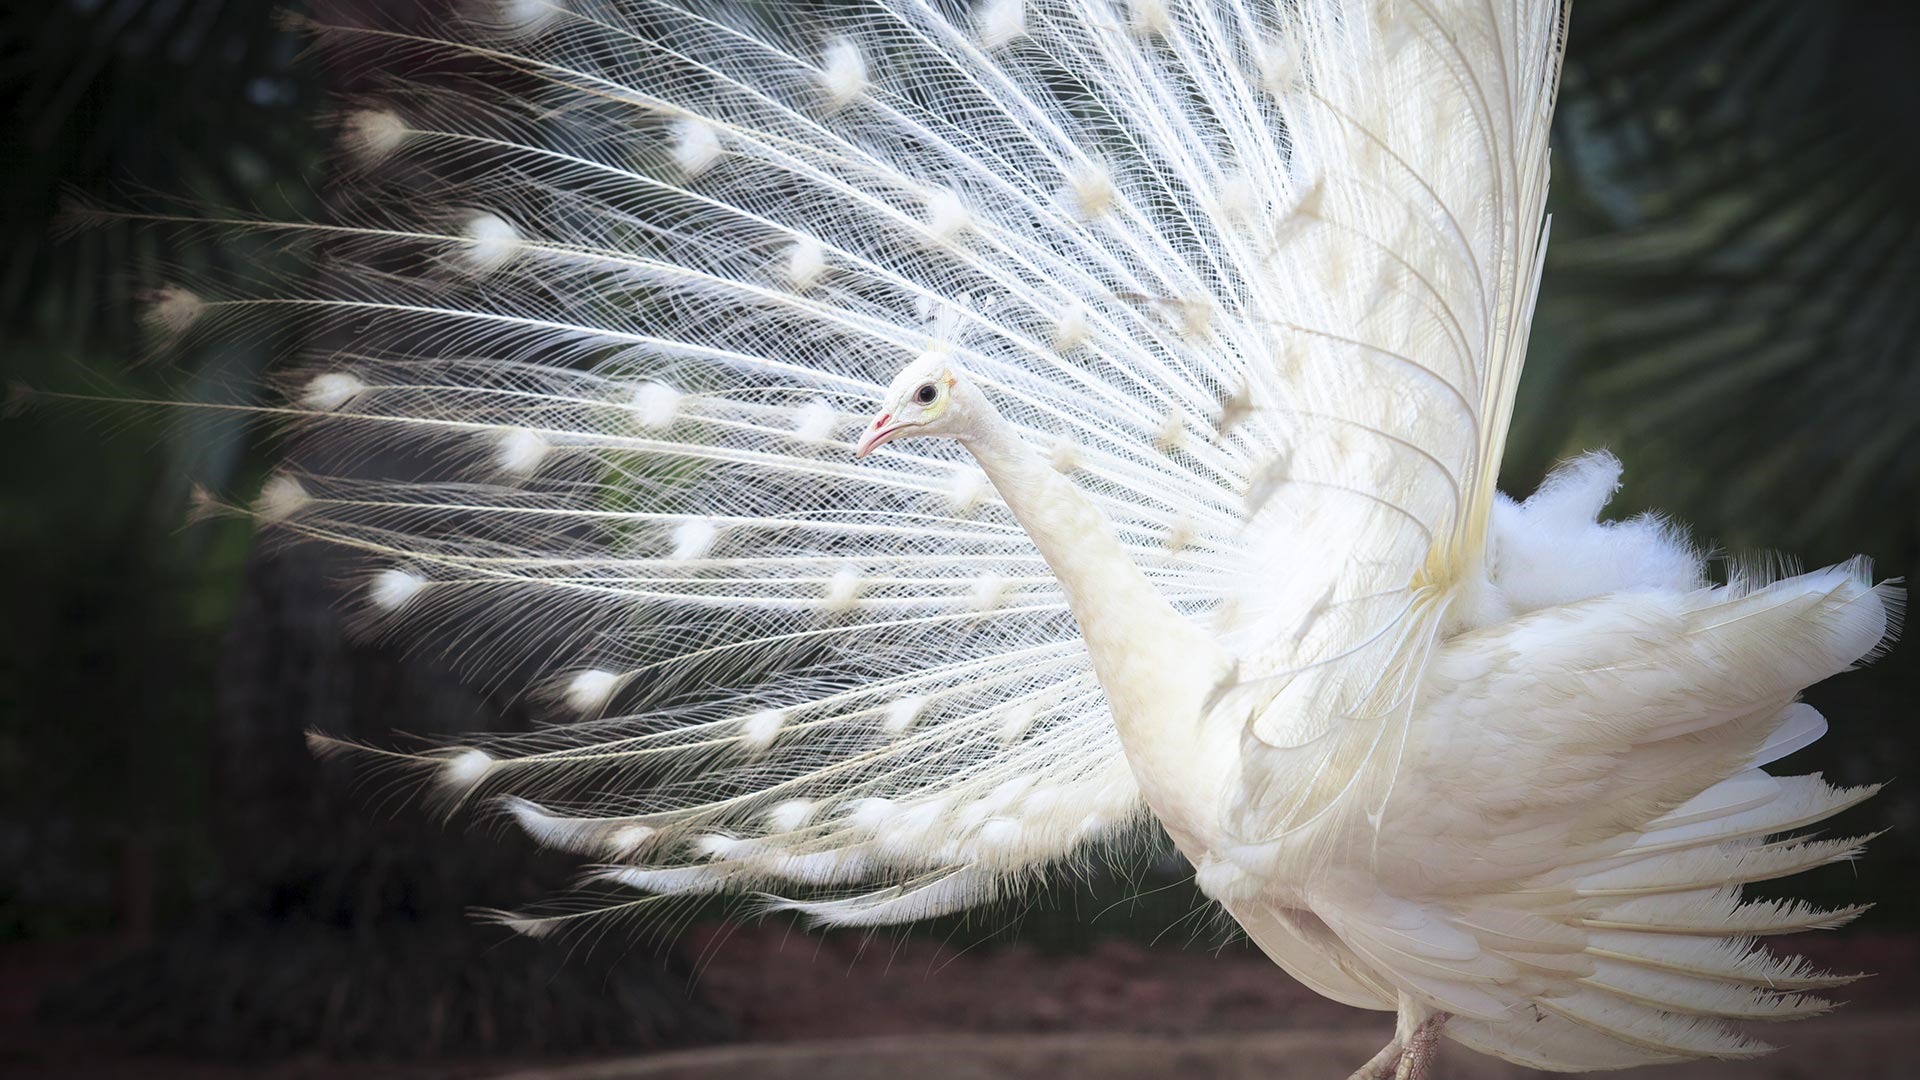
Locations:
{"points": [[616, 282]]}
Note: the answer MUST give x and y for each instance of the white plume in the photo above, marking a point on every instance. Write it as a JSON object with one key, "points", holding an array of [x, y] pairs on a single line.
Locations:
{"points": [[330, 390], [843, 72], [492, 242], [370, 135], [281, 497]]}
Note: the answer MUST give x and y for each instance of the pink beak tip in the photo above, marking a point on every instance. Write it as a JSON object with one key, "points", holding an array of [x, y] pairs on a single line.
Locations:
{"points": [[871, 439]]}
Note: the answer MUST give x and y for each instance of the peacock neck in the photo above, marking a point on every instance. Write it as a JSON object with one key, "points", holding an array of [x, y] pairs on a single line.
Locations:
{"points": [[1155, 665]]}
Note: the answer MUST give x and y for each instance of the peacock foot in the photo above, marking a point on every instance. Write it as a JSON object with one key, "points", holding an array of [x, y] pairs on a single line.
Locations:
{"points": [[1416, 1060], [1382, 1064]]}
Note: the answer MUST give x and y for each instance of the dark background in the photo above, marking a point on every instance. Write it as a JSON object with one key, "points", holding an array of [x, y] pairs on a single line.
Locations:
{"points": [[1731, 304]]}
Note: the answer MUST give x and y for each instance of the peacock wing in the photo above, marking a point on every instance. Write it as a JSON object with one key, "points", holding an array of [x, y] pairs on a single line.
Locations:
{"points": [[1406, 276]]}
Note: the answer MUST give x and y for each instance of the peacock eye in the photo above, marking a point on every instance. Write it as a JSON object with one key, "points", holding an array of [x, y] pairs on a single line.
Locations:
{"points": [[926, 394]]}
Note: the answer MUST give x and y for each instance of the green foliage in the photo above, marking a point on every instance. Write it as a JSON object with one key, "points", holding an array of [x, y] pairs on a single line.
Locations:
{"points": [[1738, 200], [106, 660], [115, 608], [202, 101]]}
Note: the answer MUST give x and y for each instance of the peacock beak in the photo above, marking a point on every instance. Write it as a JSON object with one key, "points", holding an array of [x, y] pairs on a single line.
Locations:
{"points": [[882, 429]]}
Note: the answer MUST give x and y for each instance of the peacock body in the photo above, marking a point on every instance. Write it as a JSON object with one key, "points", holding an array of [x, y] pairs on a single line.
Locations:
{"points": [[1183, 339]]}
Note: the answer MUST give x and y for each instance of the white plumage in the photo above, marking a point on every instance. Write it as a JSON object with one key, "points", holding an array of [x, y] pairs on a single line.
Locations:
{"points": [[1225, 304]]}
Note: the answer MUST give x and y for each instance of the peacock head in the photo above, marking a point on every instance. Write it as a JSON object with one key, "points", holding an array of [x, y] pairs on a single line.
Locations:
{"points": [[926, 398]]}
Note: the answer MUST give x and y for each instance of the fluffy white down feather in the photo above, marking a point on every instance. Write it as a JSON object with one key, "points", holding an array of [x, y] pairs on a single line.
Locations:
{"points": [[1553, 549]]}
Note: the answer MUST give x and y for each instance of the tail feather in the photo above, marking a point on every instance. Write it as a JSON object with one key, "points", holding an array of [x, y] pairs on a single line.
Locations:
{"points": [[1717, 912], [1731, 960], [1652, 1028], [1546, 1040], [1695, 996], [1705, 868]]}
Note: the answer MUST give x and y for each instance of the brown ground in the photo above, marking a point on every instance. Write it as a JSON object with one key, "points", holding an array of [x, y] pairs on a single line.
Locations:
{"points": [[787, 987]]}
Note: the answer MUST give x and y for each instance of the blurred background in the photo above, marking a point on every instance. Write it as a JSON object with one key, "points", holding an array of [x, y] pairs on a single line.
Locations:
{"points": [[1730, 305]]}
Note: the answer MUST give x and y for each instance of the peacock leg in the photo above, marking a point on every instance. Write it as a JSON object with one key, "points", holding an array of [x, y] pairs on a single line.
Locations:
{"points": [[1380, 1067], [1423, 1045]]}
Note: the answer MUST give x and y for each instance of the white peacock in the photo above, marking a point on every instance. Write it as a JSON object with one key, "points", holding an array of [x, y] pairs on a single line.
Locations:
{"points": [[1189, 334]]}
